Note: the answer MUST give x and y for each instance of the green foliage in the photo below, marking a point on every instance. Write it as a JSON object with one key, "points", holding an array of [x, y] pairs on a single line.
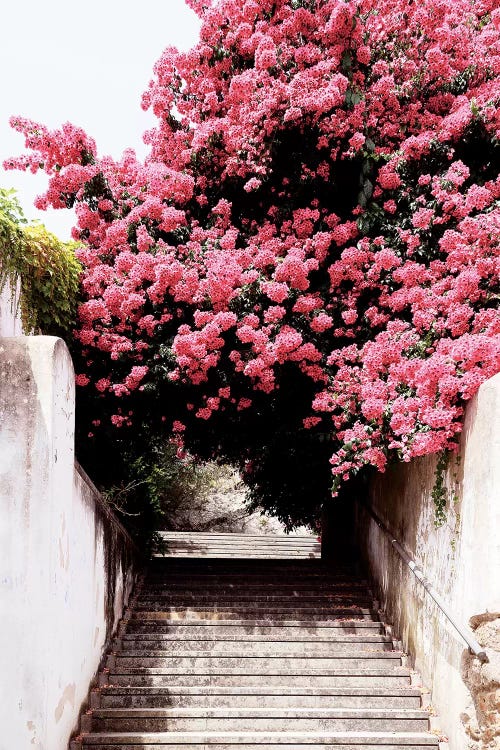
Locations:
{"points": [[136, 501], [439, 492], [47, 269], [179, 482], [161, 490]]}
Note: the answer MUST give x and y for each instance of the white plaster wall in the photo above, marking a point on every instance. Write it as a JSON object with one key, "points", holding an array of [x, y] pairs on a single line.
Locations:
{"points": [[10, 318], [478, 575], [66, 567], [461, 559]]}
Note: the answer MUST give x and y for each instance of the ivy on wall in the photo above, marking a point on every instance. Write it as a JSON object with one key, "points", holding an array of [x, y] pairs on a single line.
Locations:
{"points": [[46, 268]]}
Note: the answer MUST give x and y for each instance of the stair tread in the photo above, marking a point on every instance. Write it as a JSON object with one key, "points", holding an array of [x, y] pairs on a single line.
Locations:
{"points": [[283, 691], [263, 639], [245, 654], [401, 671], [235, 535], [338, 622], [262, 690], [263, 712], [253, 610], [238, 596], [259, 737]]}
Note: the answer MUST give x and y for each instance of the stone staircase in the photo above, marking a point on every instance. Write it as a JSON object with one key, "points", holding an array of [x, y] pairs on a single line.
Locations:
{"points": [[253, 642]]}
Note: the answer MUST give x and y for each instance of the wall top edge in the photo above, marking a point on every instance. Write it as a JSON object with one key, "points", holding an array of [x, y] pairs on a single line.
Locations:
{"points": [[103, 505]]}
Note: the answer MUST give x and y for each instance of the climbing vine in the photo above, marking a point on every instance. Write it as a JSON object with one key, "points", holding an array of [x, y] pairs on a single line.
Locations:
{"points": [[46, 268], [439, 492]]}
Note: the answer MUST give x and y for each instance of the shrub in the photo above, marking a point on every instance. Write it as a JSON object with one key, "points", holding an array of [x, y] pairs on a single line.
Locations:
{"points": [[46, 268]]}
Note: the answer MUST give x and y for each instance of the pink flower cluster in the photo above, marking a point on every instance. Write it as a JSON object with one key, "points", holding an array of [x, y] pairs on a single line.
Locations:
{"points": [[237, 255]]}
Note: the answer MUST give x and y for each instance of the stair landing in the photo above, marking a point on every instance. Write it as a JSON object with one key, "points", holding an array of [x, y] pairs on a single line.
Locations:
{"points": [[248, 547]]}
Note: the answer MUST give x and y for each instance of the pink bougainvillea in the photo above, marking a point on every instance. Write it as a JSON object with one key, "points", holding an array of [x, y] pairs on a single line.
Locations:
{"points": [[322, 192]]}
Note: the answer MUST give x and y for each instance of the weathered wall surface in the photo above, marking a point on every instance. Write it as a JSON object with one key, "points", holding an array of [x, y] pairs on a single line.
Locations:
{"points": [[10, 318], [461, 559], [66, 565]]}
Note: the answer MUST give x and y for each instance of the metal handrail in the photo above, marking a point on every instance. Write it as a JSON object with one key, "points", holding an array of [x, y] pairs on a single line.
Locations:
{"points": [[474, 647]]}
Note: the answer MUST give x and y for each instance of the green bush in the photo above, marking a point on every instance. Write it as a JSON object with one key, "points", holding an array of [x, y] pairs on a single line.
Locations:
{"points": [[46, 268]]}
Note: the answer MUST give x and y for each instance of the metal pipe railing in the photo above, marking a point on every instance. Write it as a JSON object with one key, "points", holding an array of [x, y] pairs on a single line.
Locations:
{"points": [[474, 647]]}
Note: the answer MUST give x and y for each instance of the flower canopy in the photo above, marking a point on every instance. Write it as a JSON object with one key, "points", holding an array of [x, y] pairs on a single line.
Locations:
{"points": [[321, 195]]}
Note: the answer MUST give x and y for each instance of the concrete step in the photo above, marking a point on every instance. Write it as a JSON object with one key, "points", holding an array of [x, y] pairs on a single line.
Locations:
{"points": [[257, 719], [253, 598], [276, 588], [309, 567], [213, 580], [209, 628], [209, 575], [253, 588], [259, 644], [244, 544], [247, 550], [251, 663], [240, 598], [215, 553], [256, 566], [248, 553], [269, 740], [252, 613], [158, 572], [368, 677], [262, 696], [182, 549], [261, 538], [245, 547], [240, 591], [214, 633], [339, 606]]}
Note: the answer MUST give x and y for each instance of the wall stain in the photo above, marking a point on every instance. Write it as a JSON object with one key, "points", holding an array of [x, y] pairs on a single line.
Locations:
{"points": [[64, 554], [68, 696], [32, 728]]}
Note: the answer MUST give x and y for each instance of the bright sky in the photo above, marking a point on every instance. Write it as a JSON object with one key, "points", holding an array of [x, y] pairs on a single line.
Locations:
{"points": [[86, 63]]}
